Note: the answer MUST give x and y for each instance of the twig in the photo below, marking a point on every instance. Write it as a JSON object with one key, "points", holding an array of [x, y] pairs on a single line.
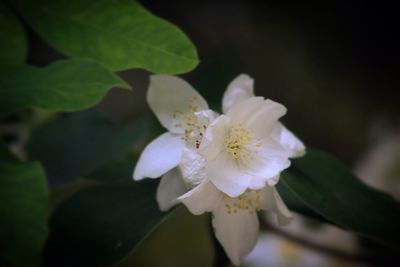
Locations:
{"points": [[340, 254]]}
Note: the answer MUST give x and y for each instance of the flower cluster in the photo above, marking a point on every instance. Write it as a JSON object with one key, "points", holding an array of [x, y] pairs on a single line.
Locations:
{"points": [[226, 164]]}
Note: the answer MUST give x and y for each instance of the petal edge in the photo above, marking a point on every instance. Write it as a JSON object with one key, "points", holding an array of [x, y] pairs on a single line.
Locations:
{"points": [[160, 156], [241, 88]]}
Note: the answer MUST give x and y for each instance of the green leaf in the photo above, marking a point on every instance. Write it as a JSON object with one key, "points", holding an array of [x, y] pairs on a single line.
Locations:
{"points": [[329, 188], [23, 211], [65, 85], [296, 204], [7, 156], [101, 225], [76, 144], [117, 171], [13, 45], [120, 34], [181, 240]]}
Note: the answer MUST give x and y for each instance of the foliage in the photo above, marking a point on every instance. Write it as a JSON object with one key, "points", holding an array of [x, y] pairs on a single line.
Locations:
{"points": [[87, 140], [23, 211], [119, 34], [13, 45], [66, 85], [101, 224], [105, 222], [329, 188]]}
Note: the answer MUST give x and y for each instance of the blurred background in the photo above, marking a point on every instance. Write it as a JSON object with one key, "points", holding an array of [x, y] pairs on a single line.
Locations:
{"points": [[333, 64]]}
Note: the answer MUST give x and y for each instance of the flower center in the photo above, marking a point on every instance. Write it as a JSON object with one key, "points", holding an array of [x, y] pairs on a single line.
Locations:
{"points": [[236, 142], [249, 200], [194, 125]]}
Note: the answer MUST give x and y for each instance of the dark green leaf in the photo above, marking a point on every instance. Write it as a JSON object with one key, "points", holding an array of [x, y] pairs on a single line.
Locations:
{"points": [[296, 204], [182, 240], [23, 211], [117, 171], [329, 188], [102, 224], [65, 85], [76, 144], [12, 38], [7, 156], [120, 34]]}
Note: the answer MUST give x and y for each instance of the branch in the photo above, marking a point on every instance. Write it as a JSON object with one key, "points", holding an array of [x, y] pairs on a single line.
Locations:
{"points": [[327, 250]]}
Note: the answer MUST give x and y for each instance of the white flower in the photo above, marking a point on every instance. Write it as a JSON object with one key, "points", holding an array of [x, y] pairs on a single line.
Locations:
{"points": [[226, 165], [185, 114], [247, 147], [243, 153], [235, 219], [179, 180]]}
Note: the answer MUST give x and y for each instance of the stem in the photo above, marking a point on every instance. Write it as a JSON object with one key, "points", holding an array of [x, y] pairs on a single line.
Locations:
{"points": [[330, 251]]}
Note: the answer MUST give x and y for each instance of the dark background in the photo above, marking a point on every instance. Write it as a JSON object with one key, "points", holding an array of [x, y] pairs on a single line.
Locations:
{"points": [[334, 64]]}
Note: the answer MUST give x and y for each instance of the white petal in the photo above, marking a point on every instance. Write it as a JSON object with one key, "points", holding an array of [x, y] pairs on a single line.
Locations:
{"points": [[207, 116], [237, 232], [170, 188], [269, 161], [242, 111], [160, 156], [260, 182], [288, 140], [272, 201], [265, 118], [238, 90], [227, 176], [202, 198], [221, 167], [257, 115], [192, 167], [169, 94], [213, 140], [273, 180]]}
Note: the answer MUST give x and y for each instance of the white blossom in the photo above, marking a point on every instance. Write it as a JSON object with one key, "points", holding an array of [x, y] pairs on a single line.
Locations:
{"points": [[247, 147], [185, 114], [227, 165], [243, 153], [235, 219]]}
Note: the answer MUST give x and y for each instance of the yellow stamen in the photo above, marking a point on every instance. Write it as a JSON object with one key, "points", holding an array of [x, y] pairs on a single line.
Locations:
{"points": [[194, 128], [249, 200]]}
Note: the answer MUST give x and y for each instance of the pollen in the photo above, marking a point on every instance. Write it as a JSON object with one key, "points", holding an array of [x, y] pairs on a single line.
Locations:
{"points": [[193, 126], [248, 201], [239, 143]]}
